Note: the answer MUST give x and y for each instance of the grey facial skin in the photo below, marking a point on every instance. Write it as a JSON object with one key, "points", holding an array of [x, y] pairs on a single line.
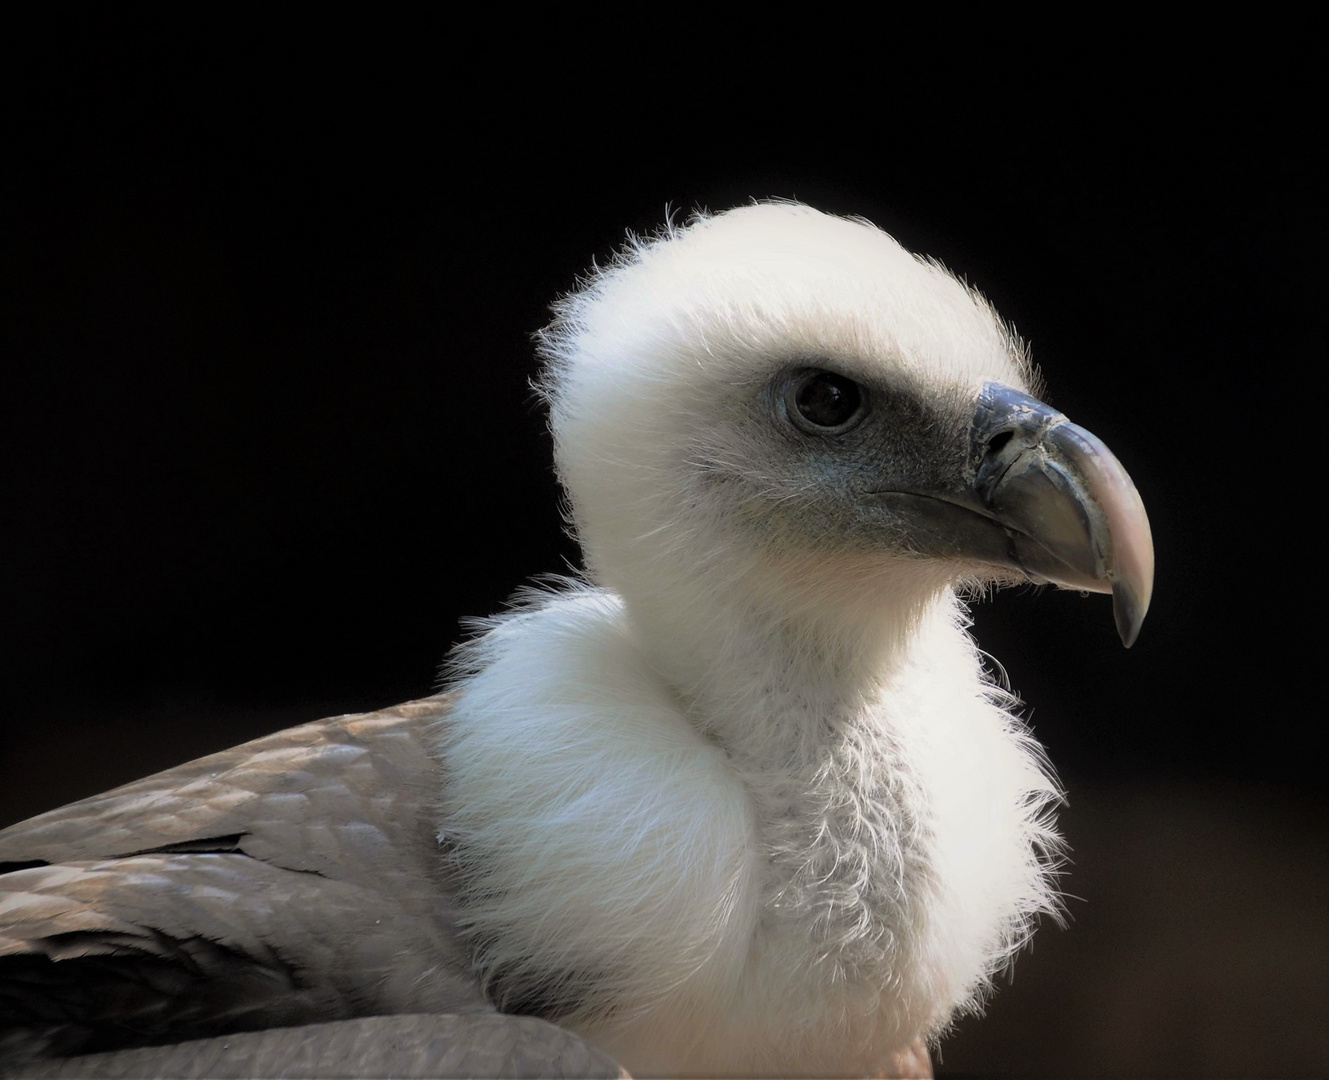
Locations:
{"points": [[996, 480]]}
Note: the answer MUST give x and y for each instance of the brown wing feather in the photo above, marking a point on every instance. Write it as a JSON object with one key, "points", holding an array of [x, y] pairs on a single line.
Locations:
{"points": [[293, 879]]}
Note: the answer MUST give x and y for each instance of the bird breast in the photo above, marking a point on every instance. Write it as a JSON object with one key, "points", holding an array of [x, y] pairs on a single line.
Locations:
{"points": [[818, 895]]}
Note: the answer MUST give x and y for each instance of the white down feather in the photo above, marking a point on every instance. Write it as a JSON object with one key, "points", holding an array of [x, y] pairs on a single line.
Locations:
{"points": [[750, 803]]}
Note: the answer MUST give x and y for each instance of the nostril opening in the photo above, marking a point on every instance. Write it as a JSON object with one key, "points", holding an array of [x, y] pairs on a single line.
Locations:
{"points": [[998, 442]]}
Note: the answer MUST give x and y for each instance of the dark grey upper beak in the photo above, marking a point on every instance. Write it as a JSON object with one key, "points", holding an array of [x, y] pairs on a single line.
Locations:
{"points": [[1042, 496]]}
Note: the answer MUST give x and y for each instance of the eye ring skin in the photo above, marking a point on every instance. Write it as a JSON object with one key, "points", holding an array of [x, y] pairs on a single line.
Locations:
{"points": [[854, 408]]}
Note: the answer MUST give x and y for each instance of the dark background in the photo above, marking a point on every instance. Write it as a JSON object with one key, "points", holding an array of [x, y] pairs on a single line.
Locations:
{"points": [[268, 436]]}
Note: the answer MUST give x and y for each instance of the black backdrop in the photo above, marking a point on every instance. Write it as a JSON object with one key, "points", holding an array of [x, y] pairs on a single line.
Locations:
{"points": [[266, 329]]}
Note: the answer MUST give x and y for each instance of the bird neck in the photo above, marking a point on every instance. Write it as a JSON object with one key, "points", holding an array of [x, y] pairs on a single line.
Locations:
{"points": [[812, 728], [778, 677]]}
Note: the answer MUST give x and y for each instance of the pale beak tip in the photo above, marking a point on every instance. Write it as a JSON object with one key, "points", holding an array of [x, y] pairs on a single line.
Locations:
{"points": [[1128, 612], [1133, 579]]}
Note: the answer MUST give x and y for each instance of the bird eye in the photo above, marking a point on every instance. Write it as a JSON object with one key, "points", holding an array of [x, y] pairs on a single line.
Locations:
{"points": [[825, 403]]}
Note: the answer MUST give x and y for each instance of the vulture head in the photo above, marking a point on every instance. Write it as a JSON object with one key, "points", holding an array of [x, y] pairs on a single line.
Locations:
{"points": [[787, 411], [745, 799]]}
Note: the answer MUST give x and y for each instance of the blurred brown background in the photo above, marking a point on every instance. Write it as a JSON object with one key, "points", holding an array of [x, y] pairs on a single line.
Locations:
{"points": [[265, 315]]}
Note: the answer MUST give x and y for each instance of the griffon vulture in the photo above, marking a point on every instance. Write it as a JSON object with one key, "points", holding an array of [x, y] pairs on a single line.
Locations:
{"points": [[743, 800]]}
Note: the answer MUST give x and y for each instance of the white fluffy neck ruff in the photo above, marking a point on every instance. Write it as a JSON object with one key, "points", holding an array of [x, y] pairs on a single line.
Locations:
{"points": [[751, 805]]}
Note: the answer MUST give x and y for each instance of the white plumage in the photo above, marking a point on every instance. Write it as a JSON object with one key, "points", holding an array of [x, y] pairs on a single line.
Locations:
{"points": [[746, 800]]}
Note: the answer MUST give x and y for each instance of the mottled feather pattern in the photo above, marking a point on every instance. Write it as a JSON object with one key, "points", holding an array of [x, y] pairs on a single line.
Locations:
{"points": [[331, 904]]}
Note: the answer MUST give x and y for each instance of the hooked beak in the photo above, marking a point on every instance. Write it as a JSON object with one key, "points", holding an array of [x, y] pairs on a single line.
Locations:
{"points": [[1044, 497]]}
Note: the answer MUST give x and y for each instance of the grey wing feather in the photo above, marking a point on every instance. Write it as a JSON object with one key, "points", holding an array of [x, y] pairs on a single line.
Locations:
{"points": [[400, 1046]]}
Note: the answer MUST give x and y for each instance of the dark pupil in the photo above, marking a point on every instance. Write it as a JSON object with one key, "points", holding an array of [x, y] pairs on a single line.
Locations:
{"points": [[828, 400]]}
